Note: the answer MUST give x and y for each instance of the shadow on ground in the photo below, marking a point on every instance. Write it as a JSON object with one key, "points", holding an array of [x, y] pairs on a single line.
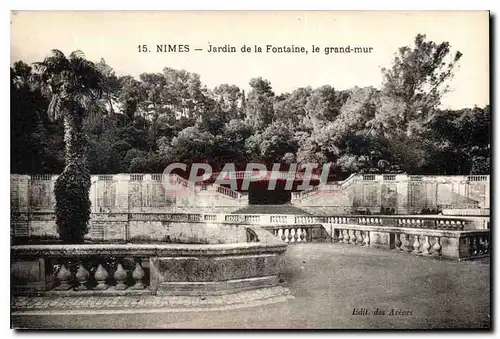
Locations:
{"points": [[330, 281]]}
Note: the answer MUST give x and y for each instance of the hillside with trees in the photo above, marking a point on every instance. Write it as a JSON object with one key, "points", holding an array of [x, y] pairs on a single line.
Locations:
{"points": [[140, 125]]}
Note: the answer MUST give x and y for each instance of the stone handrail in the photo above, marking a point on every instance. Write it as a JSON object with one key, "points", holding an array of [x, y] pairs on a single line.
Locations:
{"points": [[424, 221], [227, 191], [324, 186], [175, 178], [140, 250], [385, 177], [478, 178], [276, 174]]}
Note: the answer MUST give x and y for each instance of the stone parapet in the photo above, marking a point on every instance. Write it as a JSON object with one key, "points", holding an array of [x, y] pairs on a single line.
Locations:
{"points": [[164, 269]]}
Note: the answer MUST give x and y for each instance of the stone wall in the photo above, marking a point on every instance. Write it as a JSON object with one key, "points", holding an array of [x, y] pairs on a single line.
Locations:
{"points": [[406, 194], [135, 228], [120, 193], [144, 193]]}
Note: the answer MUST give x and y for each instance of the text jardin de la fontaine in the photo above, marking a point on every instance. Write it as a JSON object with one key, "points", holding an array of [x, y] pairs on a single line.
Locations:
{"points": [[248, 49]]}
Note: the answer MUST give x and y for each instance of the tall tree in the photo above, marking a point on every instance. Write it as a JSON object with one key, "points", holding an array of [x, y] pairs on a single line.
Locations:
{"points": [[110, 85], [228, 100], [71, 83], [291, 108], [418, 78], [259, 104], [411, 92]]}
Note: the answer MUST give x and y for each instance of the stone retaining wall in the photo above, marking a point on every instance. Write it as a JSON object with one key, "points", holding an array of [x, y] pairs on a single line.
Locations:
{"points": [[404, 194]]}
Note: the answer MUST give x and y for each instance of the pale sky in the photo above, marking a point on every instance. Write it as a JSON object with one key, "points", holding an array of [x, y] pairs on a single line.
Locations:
{"points": [[115, 36]]}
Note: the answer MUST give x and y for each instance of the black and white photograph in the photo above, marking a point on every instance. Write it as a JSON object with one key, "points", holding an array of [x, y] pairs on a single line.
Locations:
{"points": [[292, 170]]}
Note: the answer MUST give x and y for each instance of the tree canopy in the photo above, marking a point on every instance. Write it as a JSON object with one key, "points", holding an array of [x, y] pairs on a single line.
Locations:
{"points": [[143, 124]]}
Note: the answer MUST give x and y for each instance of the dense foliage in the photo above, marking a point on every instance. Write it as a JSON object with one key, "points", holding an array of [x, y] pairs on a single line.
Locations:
{"points": [[142, 124], [71, 84]]}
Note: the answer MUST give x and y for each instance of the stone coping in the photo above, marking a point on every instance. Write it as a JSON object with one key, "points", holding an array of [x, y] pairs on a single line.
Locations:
{"points": [[148, 250], [408, 230]]}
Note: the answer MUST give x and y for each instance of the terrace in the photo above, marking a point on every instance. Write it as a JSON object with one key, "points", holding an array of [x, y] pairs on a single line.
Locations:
{"points": [[327, 282]]}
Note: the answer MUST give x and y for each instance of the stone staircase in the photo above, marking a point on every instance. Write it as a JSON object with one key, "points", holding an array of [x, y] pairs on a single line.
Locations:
{"points": [[271, 209]]}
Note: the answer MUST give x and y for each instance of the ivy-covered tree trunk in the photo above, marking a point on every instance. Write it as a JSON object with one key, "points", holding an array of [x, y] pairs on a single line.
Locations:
{"points": [[73, 185]]}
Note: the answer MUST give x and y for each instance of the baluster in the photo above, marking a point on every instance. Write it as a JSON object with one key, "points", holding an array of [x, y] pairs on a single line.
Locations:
{"points": [[353, 237], [138, 274], [64, 276], [281, 234], [360, 238], [397, 242], [461, 225], [485, 243], [366, 242], [441, 224], [292, 235], [473, 245], [285, 234], [304, 233], [298, 233], [82, 275], [480, 246], [416, 244], [408, 246], [347, 237], [120, 276], [436, 249], [404, 241], [101, 275], [340, 238], [426, 246]]}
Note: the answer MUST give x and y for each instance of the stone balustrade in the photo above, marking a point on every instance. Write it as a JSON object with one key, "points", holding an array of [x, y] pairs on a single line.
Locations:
{"points": [[294, 234], [406, 194], [126, 227], [452, 244], [86, 272], [335, 186], [165, 269], [269, 174], [126, 193], [122, 193], [442, 238]]}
